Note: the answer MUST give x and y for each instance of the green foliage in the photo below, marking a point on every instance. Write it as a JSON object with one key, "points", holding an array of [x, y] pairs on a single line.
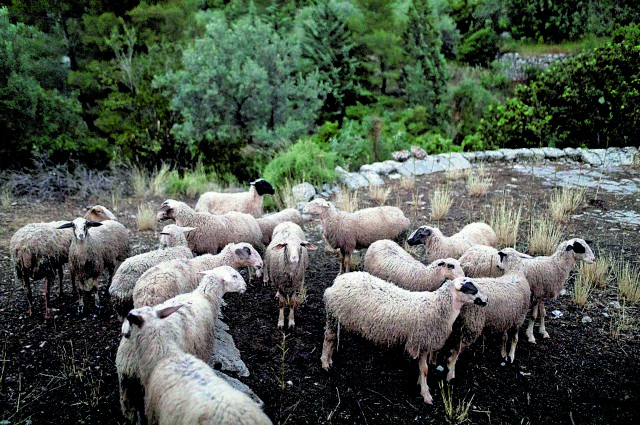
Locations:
{"points": [[545, 21], [589, 100], [436, 143], [425, 80], [479, 47], [303, 161], [241, 84]]}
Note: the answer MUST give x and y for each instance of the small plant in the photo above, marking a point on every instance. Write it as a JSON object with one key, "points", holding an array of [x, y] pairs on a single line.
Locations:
{"points": [[146, 218], [581, 289], [544, 236], [6, 196], [620, 322], [455, 414], [116, 197], [407, 183], [478, 185], [159, 180], [440, 202], [597, 273], [379, 194], [347, 200], [505, 220], [284, 196], [628, 281], [564, 202], [139, 181], [401, 155], [453, 173]]}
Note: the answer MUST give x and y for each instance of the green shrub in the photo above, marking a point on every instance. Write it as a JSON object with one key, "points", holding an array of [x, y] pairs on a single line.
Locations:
{"points": [[479, 47], [303, 161]]}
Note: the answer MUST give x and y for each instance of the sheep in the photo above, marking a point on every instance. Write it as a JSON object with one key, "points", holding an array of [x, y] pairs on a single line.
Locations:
{"points": [[245, 202], [184, 390], [440, 246], [99, 213], [347, 231], [482, 261], [388, 261], [386, 314], [213, 232], [91, 252], [547, 275], [508, 298], [268, 222], [174, 243], [190, 331], [286, 260], [39, 251], [174, 277]]}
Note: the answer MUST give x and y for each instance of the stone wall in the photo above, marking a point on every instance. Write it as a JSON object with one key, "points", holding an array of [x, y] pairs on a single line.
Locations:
{"points": [[516, 65]]}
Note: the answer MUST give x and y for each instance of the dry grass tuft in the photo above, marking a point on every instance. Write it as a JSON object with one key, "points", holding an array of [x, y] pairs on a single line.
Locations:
{"points": [[581, 289], [347, 200], [597, 273], [159, 180], [140, 181], [146, 218], [6, 196], [379, 194], [505, 220], [544, 236], [565, 201], [407, 183], [478, 181], [284, 196], [628, 281], [441, 201], [455, 174]]}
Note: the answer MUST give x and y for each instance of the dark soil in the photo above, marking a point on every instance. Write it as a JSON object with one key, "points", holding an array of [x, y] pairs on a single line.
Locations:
{"points": [[63, 371]]}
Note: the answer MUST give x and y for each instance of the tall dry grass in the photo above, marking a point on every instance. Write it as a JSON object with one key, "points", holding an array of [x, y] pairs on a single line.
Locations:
{"points": [[544, 236]]}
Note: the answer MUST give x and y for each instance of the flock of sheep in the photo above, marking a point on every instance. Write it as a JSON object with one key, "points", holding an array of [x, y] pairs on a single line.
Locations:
{"points": [[169, 299]]}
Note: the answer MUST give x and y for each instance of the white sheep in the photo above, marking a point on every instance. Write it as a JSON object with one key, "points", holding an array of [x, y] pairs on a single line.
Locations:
{"points": [[93, 252], [386, 314], [170, 278], [508, 299], [268, 222], [547, 275], [213, 232], [39, 251], [440, 246], [174, 243], [246, 202], [388, 261], [483, 260], [99, 213], [191, 330], [182, 389], [347, 231], [285, 261]]}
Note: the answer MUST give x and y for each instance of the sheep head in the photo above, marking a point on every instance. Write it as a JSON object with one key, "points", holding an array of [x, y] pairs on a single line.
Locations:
{"points": [[248, 257], [450, 269], [467, 291], [139, 316], [318, 206], [293, 250], [172, 234], [99, 213], [420, 235], [225, 277], [263, 187], [581, 250], [80, 227], [167, 210]]}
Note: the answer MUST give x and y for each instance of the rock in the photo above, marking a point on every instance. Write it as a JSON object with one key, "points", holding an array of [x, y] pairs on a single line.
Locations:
{"points": [[453, 161], [384, 168], [419, 167], [586, 319], [240, 387], [593, 157], [351, 180], [226, 353], [374, 179], [303, 192]]}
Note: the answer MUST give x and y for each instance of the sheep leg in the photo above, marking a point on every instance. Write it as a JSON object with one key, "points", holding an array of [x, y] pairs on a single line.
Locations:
{"points": [[327, 347], [282, 303], [48, 283], [27, 286], [292, 321], [503, 349], [422, 380], [532, 320], [346, 258], [543, 312], [514, 342], [265, 276], [95, 288], [451, 362], [60, 274], [81, 296]]}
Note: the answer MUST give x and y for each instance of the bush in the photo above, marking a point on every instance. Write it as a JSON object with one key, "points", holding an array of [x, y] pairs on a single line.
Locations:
{"points": [[479, 47], [303, 161]]}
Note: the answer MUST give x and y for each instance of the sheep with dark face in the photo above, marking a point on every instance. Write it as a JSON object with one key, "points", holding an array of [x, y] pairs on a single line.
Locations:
{"points": [[96, 247], [386, 314], [547, 275], [246, 202], [285, 261], [440, 246]]}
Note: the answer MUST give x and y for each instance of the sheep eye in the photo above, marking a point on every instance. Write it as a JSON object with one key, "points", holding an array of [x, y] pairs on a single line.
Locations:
{"points": [[450, 266]]}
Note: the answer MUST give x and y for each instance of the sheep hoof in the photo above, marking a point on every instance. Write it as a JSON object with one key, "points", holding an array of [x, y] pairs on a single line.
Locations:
{"points": [[545, 334], [532, 339]]}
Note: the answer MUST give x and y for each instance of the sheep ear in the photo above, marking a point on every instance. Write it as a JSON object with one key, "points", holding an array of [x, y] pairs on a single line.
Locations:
{"points": [[243, 252], [578, 248], [187, 229], [451, 266], [589, 241], [309, 246], [66, 225], [502, 255], [168, 311], [134, 319], [93, 224], [468, 287], [440, 264], [279, 246]]}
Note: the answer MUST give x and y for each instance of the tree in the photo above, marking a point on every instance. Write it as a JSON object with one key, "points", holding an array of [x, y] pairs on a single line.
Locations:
{"points": [[328, 45], [425, 80], [242, 84]]}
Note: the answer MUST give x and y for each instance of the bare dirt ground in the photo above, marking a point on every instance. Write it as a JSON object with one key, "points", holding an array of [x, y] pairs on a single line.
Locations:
{"points": [[63, 371]]}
